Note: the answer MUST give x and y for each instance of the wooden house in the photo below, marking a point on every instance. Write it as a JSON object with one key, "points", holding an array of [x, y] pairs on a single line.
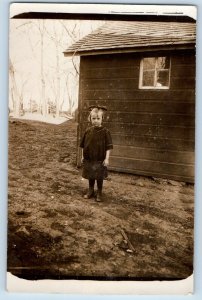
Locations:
{"points": [[144, 72]]}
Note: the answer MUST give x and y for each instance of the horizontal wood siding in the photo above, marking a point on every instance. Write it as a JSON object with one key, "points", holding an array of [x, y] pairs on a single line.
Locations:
{"points": [[169, 132], [152, 130], [149, 154], [133, 94], [182, 108], [150, 118]]}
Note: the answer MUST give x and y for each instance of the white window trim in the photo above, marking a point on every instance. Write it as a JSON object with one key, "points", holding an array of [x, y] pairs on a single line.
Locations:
{"points": [[155, 73]]}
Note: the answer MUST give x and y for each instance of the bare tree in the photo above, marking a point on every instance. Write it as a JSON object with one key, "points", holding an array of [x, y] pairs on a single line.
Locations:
{"points": [[41, 28], [17, 90], [71, 80], [57, 37], [55, 73], [14, 90], [27, 28]]}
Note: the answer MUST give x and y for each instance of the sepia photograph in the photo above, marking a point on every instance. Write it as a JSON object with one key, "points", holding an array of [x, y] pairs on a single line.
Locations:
{"points": [[101, 143]]}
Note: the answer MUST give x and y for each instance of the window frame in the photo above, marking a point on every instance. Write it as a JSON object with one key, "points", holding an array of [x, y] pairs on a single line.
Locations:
{"points": [[155, 74]]}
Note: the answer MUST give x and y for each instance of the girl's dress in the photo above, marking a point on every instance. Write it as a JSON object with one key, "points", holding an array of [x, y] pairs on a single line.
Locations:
{"points": [[95, 142]]}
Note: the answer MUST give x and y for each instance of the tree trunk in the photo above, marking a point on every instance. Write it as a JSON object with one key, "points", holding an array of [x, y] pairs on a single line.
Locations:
{"points": [[58, 83], [43, 100], [15, 94]]}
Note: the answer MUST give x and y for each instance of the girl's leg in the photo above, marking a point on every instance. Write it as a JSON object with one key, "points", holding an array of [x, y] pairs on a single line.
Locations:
{"points": [[99, 187], [91, 189]]}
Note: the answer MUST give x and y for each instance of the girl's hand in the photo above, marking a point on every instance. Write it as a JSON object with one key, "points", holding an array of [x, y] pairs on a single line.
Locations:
{"points": [[106, 162], [82, 160]]}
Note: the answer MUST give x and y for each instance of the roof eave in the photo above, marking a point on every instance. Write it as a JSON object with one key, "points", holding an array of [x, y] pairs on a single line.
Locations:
{"points": [[149, 48]]}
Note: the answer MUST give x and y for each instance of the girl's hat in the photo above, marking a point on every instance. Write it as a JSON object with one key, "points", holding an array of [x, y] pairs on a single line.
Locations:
{"points": [[97, 106]]}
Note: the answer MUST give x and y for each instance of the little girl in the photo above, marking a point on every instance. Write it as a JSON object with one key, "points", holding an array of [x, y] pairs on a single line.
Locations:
{"points": [[96, 145]]}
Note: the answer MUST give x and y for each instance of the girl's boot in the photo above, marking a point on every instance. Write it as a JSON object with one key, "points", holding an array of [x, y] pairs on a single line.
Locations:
{"points": [[99, 190], [90, 193]]}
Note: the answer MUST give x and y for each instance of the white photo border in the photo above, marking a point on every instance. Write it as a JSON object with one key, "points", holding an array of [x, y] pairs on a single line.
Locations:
{"points": [[101, 289]]}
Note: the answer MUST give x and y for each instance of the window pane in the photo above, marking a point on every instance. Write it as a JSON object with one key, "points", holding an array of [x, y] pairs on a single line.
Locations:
{"points": [[155, 72], [163, 63], [149, 63], [148, 78], [162, 78]]}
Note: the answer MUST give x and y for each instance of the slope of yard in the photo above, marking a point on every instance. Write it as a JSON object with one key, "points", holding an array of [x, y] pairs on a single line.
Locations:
{"points": [[143, 229]]}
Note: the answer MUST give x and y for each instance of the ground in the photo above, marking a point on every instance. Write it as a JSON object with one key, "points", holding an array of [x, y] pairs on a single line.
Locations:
{"points": [[142, 230]]}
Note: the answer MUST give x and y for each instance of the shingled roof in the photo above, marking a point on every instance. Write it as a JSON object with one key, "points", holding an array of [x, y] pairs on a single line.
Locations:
{"points": [[116, 36]]}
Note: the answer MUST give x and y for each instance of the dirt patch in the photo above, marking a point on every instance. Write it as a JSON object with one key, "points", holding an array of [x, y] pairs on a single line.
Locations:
{"points": [[142, 230]]}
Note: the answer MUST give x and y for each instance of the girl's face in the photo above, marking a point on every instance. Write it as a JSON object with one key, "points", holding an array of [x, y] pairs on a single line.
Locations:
{"points": [[96, 119]]}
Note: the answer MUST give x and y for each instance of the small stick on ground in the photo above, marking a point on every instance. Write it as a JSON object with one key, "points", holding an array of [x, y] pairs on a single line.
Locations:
{"points": [[128, 241]]}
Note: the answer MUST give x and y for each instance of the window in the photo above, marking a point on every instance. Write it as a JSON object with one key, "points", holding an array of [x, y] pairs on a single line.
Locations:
{"points": [[155, 73]]}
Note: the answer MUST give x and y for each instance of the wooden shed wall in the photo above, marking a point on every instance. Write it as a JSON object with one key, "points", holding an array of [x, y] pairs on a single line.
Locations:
{"points": [[152, 130]]}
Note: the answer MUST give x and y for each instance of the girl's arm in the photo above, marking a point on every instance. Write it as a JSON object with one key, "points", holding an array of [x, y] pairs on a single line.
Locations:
{"points": [[81, 155], [82, 144], [106, 161]]}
